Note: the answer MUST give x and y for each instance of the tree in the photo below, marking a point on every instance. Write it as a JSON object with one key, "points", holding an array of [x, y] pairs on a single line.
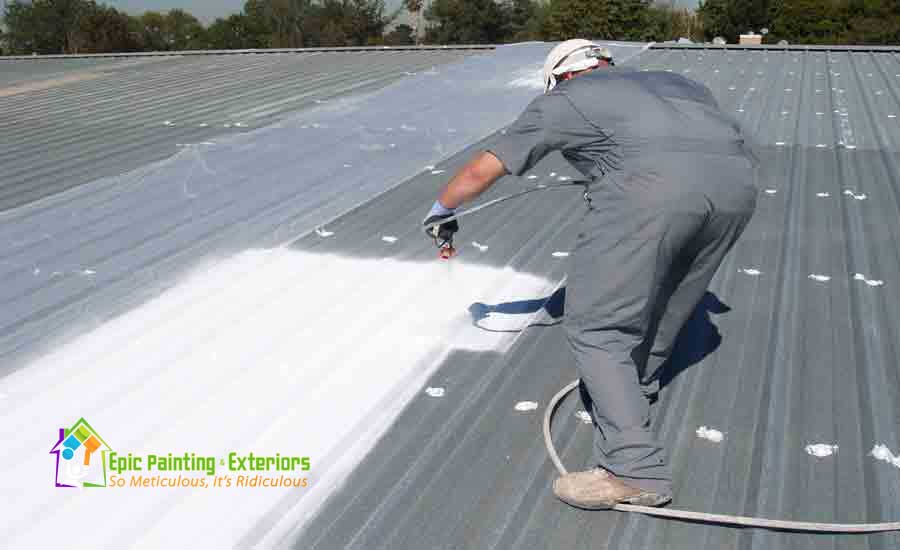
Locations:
{"points": [[182, 31], [106, 30], [414, 7], [731, 18], [402, 35], [466, 22]]}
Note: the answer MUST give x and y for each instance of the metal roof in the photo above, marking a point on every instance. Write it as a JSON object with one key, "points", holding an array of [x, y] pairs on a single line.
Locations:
{"points": [[67, 121], [795, 345]]}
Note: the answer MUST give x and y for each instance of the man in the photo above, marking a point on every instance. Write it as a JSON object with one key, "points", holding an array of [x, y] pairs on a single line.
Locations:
{"points": [[673, 191]]}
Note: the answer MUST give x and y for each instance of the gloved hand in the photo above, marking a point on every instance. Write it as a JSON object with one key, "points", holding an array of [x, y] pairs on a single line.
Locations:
{"points": [[443, 233]]}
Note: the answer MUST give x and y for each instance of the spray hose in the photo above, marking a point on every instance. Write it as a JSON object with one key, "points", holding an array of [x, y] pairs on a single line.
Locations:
{"points": [[687, 515], [723, 519]]}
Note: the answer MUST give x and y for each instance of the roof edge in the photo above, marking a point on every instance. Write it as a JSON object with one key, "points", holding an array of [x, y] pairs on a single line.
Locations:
{"points": [[252, 51], [790, 47]]}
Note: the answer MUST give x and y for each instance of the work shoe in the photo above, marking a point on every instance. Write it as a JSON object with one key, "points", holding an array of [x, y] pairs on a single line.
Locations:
{"points": [[598, 489]]}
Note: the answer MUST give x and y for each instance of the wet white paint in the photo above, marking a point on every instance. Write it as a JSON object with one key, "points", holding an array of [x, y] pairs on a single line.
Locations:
{"points": [[479, 246], [436, 172], [552, 174], [88, 272], [710, 434], [532, 177], [168, 123], [525, 406], [750, 271], [530, 77], [820, 450], [296, 336], [820, 278], [883, 452], [771, 191], [429, 167], [870, 282], [560, 254], [322, 232], [389, 239], [823, 195], [584, 416], [435, 392]]}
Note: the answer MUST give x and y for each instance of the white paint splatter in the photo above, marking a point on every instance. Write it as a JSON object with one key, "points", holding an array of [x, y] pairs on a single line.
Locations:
{"points": [[168, 123], [389, 239], [88, 272], [823, 195], [870, 282], [435, 392], [771, 191], [436, 172], [481, 247], [552, 174], [532, 177], [883, 453], [750, 271], [525, 406], [563, 178], [710, 434], [320, 231], [429, 167], [820, 450], [779, 143], [584, 416], [560, 254], [240, 125], [851, 193], [820, 278]]}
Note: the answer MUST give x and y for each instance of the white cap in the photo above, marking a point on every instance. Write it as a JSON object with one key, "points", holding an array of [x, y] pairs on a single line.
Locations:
{"points": [[572, 55]]}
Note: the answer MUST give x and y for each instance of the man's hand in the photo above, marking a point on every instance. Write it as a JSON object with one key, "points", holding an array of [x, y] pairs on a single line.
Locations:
{"points": [[442, 233]]}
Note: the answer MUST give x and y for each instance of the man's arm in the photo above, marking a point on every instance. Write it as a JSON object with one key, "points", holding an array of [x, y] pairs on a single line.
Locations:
{"points": [[472, 180]]}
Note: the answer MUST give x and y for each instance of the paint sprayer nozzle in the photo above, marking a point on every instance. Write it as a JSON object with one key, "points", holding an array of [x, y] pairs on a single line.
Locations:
{"points": [[447, 252]]}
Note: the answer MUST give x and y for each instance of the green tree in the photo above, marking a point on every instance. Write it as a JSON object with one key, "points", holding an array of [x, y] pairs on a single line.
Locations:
{"points": [[414, 7], [810, 21], [183, 31], [236, 32], [466, 22], [597, 19], [106, 30], [731, 18]]}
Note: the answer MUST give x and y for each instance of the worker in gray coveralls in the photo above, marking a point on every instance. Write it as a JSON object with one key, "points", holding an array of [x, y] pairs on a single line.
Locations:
{"points": [[674, 190]]}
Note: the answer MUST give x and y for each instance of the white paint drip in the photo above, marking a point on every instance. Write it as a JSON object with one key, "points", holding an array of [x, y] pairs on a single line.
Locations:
{"points": [[750, 271], [525, 406], [342, 326], [320, 231], [820, 278], [823, 195], [560, 254], [435, 392], [851, 193], [820, 450], [389, 239], [870, 282], [584, 416], [436, 172], [481, 247], [883, 453], [710, 434]]}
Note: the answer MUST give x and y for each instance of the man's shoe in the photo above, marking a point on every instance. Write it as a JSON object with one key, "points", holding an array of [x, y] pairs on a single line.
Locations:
{"points": [[598, 489]]}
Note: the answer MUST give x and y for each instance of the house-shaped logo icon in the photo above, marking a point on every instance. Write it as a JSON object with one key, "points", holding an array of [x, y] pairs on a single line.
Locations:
{"points": [[80, 457]]}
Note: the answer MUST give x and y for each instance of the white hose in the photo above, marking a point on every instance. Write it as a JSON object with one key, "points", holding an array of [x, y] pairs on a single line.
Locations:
{"points": [[723, 519]]}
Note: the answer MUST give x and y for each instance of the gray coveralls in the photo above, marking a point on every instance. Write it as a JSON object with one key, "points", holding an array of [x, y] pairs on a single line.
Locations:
{"points": [[673, 191]]}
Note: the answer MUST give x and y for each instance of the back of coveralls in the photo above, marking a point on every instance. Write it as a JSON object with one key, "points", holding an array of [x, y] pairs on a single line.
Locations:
{"points": [[672, 191]]}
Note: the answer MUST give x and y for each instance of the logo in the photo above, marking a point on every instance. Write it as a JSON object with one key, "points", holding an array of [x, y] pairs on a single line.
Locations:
{"points": [[80, 456]]}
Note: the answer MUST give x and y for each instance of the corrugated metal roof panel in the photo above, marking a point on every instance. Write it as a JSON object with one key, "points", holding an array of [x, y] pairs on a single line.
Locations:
{"points": [[100, 117]]}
